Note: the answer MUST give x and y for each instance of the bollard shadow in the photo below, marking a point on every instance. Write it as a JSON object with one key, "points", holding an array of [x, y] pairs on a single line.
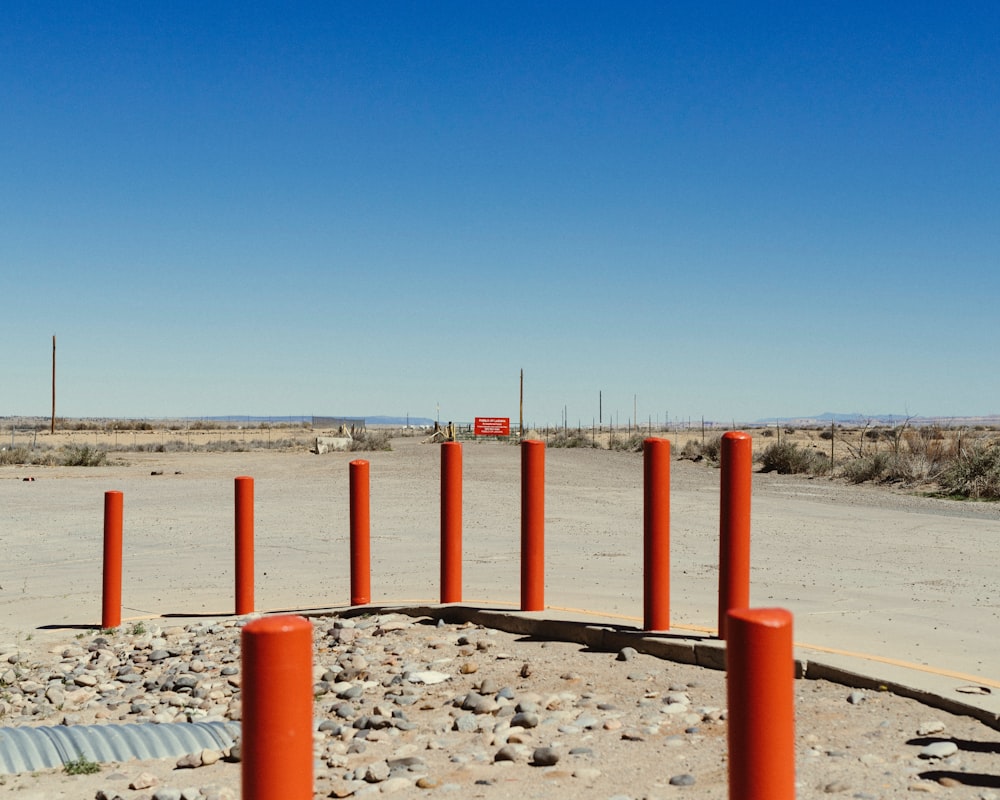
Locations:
{"points": [[968, 745], [594, 636], [977, 779], [964, 778], [314, 611], [70, 626], [196, 615]]}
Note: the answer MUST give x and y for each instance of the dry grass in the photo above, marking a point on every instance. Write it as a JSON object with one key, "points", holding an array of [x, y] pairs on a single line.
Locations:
{"points": [[961, 462]]}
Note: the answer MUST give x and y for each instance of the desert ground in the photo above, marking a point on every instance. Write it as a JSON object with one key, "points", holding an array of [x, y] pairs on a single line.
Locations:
{"points": [[891, 586]]}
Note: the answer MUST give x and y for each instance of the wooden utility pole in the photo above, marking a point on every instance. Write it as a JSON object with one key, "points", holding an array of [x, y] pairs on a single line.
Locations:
{"points": [[521, 413], [53, 426]]}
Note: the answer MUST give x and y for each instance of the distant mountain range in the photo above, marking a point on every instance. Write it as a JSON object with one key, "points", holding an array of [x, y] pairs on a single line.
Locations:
{"points": [[828, 417], [415, 422]]}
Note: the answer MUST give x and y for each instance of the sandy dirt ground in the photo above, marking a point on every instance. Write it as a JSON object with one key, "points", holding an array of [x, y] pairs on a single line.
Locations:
{"points": [[901, 581]]}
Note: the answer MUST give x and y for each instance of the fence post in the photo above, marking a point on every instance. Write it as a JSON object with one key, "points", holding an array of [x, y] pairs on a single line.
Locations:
{"points": [[760, 686], [532, 525], [656, 534], [734, 524], [244, 546], [277, 735], [451, 522], [111, 596], [361, 579]]}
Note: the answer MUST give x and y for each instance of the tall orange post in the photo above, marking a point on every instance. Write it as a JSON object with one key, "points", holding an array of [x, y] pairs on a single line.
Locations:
{"points": [[244, 545], [532, 525], [277, 726], [451, 522], [734, 524], [760, 675], [111, 596], [656, 534], [361, 578]]}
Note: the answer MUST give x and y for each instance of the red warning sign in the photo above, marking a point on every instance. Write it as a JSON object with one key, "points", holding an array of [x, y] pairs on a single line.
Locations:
{"points": [[492, 426]]}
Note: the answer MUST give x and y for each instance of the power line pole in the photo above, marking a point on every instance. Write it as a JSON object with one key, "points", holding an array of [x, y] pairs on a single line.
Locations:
{"points": [[521, 417], [53, 427]]}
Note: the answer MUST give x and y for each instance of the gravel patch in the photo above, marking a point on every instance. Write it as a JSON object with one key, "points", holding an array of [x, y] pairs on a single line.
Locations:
{"points": [[416, 707]]}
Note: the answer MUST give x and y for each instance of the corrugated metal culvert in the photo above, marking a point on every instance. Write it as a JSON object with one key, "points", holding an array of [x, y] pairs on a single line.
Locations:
{"points": [[30, 749]]}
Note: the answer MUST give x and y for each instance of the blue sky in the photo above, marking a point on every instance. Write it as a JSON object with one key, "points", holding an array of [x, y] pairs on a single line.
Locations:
{"points": [[736, 210]]}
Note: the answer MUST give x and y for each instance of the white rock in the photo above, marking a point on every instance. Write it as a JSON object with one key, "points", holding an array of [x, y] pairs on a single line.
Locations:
{"points": [[428, 677], [939, 750]]}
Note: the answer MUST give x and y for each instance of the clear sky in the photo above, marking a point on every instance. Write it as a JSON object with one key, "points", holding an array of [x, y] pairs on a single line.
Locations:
{"points": [[736, 210]]}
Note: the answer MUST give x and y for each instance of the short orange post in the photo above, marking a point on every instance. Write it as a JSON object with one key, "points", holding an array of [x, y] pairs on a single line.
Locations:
{"points": [[277, 737], [451, 522], [760, 675], [656, 534], [111, 597], [361, 578], [734, 524], [244, 545], [532, 525]]}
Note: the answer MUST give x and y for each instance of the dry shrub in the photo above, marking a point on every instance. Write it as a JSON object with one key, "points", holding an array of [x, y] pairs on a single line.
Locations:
{"points": [[790, 459], [975, 473], [711, 450], [83, 456], [16, 455], [630, 444], [372, 440], [571, 439], [867, 468]]}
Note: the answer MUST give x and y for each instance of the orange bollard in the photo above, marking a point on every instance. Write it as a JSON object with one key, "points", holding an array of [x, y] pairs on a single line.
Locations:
{"points": [[656, 534], [277, 736], [361, 567], [451, 522], [111, 596], [244, 545], [760, 684], [532, 525], [734, 524]]}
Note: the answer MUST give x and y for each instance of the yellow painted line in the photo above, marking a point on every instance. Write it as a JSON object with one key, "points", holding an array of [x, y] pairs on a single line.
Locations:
{"points": [[895, 662]]}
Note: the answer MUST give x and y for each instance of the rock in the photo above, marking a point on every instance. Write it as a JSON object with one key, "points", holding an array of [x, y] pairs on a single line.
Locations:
{"points": [[465, 723], [377, 772], [856, 697], [685, 779], [479, 704], [930, 727], [511, 752], [427, 677], [189, 761], [544, 757], [397, 784], [941, 749], [165, 793], [835, 787], [627, 654], [144, 780], [524, 719], [55, 696]]}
